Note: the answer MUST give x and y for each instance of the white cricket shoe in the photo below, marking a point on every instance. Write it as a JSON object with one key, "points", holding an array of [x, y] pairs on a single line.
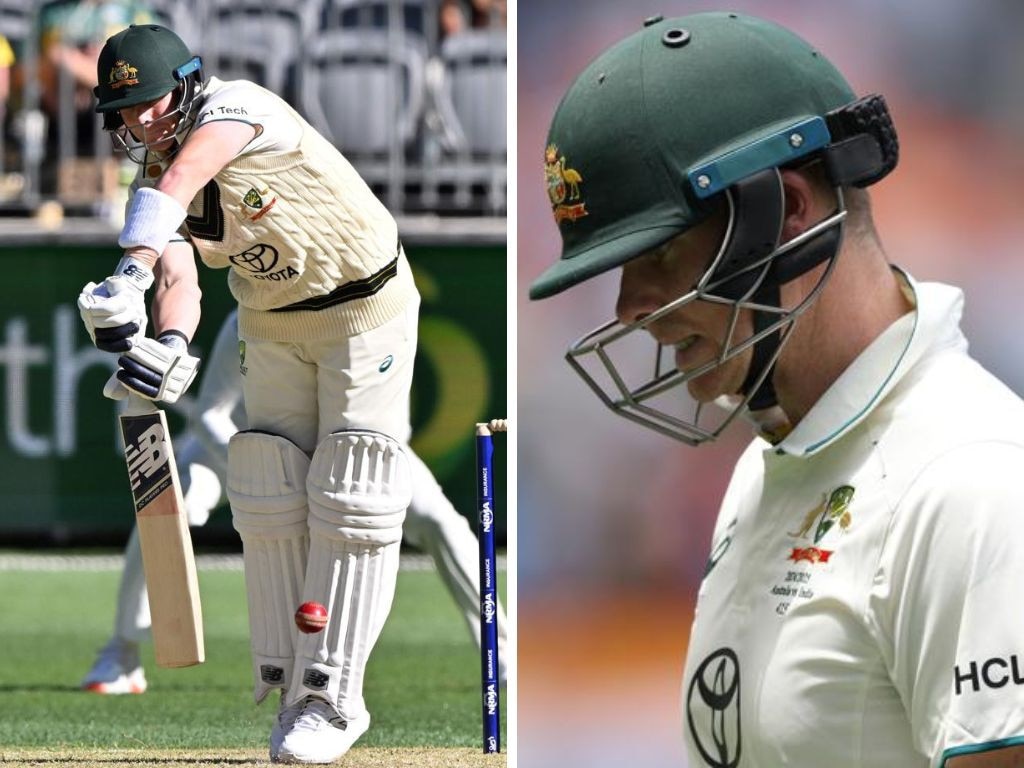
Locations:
{"points": [[286, 716], [319, 734], [117, 670]]}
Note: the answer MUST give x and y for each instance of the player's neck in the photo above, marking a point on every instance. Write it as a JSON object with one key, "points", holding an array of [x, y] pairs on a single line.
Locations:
{"points": [[860, 301]]}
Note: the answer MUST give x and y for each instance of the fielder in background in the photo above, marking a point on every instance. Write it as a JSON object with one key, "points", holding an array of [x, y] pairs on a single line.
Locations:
{"points": [[432, 524], [327, 309], [859, 605]]}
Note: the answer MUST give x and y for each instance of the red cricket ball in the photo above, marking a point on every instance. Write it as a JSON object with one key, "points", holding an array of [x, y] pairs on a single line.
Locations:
{"points": [[311, 617]]}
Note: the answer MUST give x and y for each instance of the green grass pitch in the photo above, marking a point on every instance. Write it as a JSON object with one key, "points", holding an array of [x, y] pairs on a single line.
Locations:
{"points": [[422, 685]]}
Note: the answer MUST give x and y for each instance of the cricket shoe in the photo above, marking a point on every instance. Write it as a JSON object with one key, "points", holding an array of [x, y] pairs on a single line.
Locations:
{"points": [[286, 716], [319, 734], [117, 670]]}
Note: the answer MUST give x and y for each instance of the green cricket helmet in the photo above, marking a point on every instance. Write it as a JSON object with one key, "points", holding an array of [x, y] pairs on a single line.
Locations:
{"points": [[683, 118], [143, 63]]}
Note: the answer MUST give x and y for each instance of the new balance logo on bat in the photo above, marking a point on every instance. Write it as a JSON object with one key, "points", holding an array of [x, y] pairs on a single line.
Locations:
{"points": [[147, 455]]}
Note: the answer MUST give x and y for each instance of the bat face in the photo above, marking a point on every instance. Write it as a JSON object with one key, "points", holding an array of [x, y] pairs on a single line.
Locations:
{"points": [[167, 557]]}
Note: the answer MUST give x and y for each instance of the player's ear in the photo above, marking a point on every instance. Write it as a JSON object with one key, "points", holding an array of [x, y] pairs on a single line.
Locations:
{"points": [[804, 202]]}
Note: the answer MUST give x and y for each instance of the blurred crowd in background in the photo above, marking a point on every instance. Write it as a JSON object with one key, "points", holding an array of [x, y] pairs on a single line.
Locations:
{"points": [[615, 520], [413, 91]]}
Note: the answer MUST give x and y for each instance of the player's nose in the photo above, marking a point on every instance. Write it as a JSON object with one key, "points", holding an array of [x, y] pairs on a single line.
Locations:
{"points": [[638, 295]]}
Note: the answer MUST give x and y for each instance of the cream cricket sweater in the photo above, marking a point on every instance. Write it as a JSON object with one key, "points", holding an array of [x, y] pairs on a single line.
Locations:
{"points": [[295, 223]]}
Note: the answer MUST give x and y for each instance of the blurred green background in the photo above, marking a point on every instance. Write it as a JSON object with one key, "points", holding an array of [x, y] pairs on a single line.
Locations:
{"points": [[63, 477]]}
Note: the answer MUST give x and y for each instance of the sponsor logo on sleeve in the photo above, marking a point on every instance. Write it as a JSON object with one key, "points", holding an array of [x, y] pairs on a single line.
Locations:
{"points": [[996, 672]]}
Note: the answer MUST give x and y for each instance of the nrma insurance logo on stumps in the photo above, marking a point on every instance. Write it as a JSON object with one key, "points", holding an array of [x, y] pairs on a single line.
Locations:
{"points": [[491, 699], [486, 517], [489, 608]]}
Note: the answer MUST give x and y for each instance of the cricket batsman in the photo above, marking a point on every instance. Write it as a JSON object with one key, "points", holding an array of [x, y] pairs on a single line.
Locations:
{"points": [[327, 311], [432, 523], [860, 604]]}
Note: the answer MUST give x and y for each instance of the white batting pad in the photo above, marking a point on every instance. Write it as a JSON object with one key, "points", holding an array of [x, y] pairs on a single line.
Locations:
{"points": [[132, 620], [267, 492], [359, 487]]}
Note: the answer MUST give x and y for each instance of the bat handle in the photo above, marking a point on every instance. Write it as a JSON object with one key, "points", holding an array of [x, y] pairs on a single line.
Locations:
{"points": [[137, 405]]}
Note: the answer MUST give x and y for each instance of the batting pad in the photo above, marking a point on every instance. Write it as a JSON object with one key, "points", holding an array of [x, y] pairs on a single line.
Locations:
{"points": [[359, 487], [267, 493], [132, 620]]}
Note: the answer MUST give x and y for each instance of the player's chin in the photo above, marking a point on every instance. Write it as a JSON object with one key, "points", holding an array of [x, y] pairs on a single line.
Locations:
{"points": [[722, 380], [707, 387], [161, 145]]}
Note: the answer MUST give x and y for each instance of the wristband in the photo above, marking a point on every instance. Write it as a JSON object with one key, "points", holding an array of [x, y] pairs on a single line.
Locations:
{"points": [[135, 272], [153, 219], [173, 333]]}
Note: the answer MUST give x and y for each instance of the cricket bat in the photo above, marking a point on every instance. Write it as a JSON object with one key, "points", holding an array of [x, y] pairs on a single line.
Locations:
{"points": [[167, 557]]}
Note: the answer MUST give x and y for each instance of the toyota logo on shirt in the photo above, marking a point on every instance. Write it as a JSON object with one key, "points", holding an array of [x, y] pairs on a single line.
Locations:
{"points": [[259, 259], [713, 709]]}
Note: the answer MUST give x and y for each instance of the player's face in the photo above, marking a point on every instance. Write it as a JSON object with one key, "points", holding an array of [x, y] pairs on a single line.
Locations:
{"points": [[153, 122], [699, 330]]}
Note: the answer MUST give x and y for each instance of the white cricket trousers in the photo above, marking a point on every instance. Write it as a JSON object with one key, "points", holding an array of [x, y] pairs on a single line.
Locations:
{"points": [[304, 391]]}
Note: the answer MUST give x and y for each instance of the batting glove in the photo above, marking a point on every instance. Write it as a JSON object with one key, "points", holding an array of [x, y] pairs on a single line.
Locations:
{"points": [[156, 369], [115, 310]]}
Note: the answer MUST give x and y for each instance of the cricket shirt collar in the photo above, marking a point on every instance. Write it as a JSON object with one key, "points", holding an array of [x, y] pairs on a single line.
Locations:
{"points": [[934, 323]]}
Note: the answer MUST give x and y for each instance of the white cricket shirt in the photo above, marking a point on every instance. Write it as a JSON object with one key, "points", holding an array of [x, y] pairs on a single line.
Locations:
{"points": [[863, 603]]}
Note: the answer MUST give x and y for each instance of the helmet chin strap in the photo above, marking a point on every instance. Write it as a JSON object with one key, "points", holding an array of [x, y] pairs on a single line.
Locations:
{"points": [[763, 352], [757, 208]]}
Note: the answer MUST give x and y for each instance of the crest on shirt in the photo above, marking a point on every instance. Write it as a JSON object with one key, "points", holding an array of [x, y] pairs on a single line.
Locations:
{"points": [[833, 511], [256, 200]]}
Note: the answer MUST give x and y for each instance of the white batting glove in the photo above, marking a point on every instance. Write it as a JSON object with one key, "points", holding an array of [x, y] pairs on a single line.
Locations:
{"points": [[157, 369], [114, 389], [114, 311]]}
